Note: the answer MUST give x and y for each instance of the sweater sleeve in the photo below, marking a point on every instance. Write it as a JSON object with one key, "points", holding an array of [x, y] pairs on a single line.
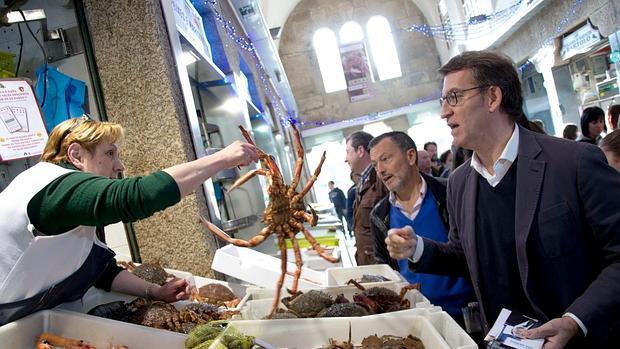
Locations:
{"points": [[105, 281], [81, 198]]}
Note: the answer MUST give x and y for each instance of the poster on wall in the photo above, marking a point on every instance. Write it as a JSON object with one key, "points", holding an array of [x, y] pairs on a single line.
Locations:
{"points": [[22, 131], [189, 24], [356, 71]]}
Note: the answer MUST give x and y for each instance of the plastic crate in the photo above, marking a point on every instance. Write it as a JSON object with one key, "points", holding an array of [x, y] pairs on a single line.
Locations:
{"points": [[99, 332], [316, 333]]}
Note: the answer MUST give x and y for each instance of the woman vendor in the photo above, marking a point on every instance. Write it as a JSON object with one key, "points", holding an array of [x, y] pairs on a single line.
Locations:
{"points": [[49, 216]]}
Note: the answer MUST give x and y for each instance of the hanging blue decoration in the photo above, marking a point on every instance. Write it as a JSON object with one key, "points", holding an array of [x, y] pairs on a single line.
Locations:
{"points": [[246, 44]]}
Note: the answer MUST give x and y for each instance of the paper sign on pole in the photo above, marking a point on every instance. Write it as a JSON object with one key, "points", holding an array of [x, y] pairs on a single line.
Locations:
{"points": [[22, 131]]}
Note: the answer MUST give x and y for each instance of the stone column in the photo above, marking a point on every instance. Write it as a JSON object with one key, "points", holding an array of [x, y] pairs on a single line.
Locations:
{"points": [[141, 91], [544, 60]]}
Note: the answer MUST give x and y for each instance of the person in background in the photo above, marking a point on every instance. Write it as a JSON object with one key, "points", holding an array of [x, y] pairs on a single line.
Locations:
{"points": [[592, 125], [418, 201], [612, 116], [436, 165], [369, 191], [447, 159], [611, 147], [571, 132], [538, 126], [424, 162], [534, 219], [336, 196], [58, 204], [355, 178]]}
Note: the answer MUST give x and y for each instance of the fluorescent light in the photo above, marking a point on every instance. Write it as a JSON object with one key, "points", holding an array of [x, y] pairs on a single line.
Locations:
{"points": [[30, 15], [262, 129], [188, 57], [232, 105]]}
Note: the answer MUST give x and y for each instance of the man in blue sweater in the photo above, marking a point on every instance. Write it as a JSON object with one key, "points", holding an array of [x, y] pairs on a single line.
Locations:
{"points": [[418, 201]]}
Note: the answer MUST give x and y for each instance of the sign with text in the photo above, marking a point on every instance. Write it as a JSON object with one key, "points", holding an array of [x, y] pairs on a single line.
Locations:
{"points": [[579, 41], [22, 131], [189, 24], [356, 71]]}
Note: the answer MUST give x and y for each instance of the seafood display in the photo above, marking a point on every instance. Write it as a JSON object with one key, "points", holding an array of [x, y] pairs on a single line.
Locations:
{"points": [[151, 272], [372, 278], [162, 315], [284, 216], [316, 303], [376, 342], [49, 340], [216, 294]]}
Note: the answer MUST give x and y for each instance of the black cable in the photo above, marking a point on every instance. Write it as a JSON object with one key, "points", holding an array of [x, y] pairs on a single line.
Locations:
{"points": [[44, 57], [21, 48]]}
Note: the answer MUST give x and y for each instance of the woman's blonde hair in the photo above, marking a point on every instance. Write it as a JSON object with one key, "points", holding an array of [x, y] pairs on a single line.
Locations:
{"points": [[84, 131]]}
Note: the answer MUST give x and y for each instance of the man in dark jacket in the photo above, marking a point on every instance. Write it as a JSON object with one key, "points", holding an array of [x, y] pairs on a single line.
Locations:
{"points": [[369, 191], [418, 201], [336, 196], [534, 217]]}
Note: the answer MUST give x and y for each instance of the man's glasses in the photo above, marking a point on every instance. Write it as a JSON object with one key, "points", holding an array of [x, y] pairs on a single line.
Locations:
{"points": [[452, 97]]}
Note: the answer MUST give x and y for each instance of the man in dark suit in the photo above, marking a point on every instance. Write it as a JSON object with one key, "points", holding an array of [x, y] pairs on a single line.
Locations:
{"points": [[535, 217]]}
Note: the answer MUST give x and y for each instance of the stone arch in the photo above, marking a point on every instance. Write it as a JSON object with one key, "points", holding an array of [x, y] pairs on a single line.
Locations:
{"points": [[418, 57]]}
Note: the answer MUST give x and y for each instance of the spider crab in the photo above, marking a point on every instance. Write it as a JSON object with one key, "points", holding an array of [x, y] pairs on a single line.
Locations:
{"points": [[285, 215]]}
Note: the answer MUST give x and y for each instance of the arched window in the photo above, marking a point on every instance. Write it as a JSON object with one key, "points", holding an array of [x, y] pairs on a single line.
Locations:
{"points": [[383, 48], [351, 32], [328, 55]]}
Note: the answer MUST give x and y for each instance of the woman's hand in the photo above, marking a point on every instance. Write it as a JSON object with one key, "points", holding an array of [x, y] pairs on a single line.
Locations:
{"points": [[239, 154], [174, 290]]}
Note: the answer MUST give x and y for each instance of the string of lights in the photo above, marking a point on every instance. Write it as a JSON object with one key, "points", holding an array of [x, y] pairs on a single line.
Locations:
{"points": [[285, 117], [470, 29]]}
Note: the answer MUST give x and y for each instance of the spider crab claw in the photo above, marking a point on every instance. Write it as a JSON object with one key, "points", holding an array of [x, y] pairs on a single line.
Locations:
{"points": [[215, 229]]}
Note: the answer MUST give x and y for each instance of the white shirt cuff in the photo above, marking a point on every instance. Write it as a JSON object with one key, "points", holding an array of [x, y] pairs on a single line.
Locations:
{"points": [[581, 325], [419, 249]]}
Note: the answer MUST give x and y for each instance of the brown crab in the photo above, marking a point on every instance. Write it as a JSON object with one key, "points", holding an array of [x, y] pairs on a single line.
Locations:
{"points": [[151, 272], [379, 300], [162, 315], [216, 294], [308, 304]]}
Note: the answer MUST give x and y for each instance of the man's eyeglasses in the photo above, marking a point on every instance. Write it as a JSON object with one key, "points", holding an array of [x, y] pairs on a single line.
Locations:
{"points": [[452, 97]]}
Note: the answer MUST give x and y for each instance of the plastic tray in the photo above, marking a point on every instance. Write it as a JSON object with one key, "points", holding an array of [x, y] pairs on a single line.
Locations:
{"points": [[315, 333], [261, 269], [450, 331], [260, 301], [99, 332], [340, 276]]}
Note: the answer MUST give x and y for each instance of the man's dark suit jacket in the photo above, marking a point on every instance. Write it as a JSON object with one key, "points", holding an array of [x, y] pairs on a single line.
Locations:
{"points": [[567, 232]]}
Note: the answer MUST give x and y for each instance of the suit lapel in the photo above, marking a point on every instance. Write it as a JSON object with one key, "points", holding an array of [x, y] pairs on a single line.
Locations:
{"points": [[530, 175], [470, 195]]}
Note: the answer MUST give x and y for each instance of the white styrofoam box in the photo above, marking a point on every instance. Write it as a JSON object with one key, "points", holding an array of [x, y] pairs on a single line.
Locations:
{"points": [[450, 331], [239, 290], [315, 333], [260, 269], [99, 332], [312, 260], [340, 276], [260, 301]]}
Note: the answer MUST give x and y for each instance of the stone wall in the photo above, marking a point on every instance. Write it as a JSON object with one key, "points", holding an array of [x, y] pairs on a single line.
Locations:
{"points": [[141, 92], [530, 37], [417, 54]]}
